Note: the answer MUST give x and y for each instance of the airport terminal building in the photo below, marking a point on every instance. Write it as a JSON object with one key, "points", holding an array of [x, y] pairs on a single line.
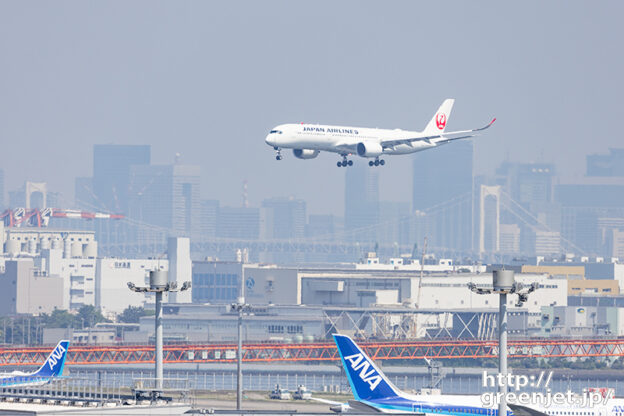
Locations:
{"points": [[221, 282], [294, 304]]}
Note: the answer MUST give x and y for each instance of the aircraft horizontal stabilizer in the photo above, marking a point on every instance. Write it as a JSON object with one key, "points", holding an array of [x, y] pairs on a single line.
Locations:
{"points": [[363, 407], [519, 410]]}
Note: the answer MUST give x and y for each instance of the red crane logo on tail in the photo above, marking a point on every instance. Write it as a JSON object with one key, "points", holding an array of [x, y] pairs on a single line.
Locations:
{"points": [[441, 121]]}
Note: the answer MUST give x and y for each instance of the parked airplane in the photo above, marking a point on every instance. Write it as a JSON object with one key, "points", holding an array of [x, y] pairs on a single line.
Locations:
{"points": [[373, 392], [52, 367], [308, 140]]}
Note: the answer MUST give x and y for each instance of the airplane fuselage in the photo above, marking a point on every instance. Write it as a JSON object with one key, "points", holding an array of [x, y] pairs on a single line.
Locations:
{"points": [[23, 380], [452, 405], [51, 368], [308, 140], [342, 139], [372, 390], [459, 405]]}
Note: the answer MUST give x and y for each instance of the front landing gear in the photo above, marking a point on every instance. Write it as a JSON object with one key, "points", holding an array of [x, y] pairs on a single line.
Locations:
{"points": [[345, 162], [278, 153]]}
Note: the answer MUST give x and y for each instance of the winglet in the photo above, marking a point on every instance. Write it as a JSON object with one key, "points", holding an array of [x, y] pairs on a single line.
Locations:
{"points": [[488, 125]]}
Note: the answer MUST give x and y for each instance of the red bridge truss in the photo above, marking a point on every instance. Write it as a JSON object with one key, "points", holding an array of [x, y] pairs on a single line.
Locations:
{"points": [[214, 353]]}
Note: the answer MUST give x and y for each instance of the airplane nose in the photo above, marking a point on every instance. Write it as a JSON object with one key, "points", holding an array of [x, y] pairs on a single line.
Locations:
{"points": [[269, 140]]}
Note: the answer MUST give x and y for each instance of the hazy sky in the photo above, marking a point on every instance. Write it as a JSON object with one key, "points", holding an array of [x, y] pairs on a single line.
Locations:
{"points": [[209, 79]]}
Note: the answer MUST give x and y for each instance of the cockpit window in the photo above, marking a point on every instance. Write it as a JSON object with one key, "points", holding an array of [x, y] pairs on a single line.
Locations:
{"points": [[275, 131]]}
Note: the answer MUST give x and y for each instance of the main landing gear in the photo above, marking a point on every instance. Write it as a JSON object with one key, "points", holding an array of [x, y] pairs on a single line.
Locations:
{"points": [[344, 162], [376, 162], [278, 153]]}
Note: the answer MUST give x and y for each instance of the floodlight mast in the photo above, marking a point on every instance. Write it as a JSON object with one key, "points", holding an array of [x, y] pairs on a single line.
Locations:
{"points": [[158, 285], [503, 283], [240, 307]]}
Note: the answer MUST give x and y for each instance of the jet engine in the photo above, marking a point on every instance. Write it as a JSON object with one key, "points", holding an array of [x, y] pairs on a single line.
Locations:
{"points": [[305, 153], [369, 149]]}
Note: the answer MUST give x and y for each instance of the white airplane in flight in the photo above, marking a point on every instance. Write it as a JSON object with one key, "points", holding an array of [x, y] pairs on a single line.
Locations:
{"points": [[308, 140]]}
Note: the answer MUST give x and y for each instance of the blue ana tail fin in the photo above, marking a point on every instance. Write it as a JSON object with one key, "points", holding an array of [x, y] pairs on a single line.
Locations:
{"points": [[366, 380], [53, 365]]}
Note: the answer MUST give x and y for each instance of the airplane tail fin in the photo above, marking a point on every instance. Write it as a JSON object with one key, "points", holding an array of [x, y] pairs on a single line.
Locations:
{"points": [[440, 118], [366, 380], [54, 364]]}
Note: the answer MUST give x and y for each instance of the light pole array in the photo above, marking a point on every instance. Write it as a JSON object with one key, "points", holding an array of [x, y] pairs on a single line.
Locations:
{"points": [[158, 285], [503, 283], [240, 307]]}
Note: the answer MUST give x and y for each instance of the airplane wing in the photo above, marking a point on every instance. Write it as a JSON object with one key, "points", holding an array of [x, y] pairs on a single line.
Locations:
{"points": [[336, 407], [525, 411], [14, 373], [326, 401], [363, 407], [445, 137], [346, 148]]}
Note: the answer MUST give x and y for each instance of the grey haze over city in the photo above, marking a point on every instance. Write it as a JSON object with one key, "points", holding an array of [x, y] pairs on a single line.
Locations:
{"points": [[144, 202], [209, 79]]}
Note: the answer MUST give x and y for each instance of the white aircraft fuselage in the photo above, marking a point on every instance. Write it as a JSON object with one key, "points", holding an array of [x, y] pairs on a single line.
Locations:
{"points": [[338, 139], [372, 390], [308, 140], [51, 368]]}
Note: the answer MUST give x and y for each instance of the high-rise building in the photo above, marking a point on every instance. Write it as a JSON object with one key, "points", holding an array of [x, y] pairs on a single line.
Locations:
{"points": [[209, 216], [489, 219], [589, 213], [109, 192], [394, 223], [17, 198], [361, 203], [217, 281], [616, 243], [239, 223], [547, 243], [606, 165], [325, 228], [165, 196], [527, 189], [284, 218], [527, 183], [84, 198], [321, 227], [443, 189], [111, 174], [509, 238]]}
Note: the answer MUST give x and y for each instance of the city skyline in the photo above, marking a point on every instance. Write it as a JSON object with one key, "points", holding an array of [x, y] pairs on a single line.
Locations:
{"points": [[210, 186], [208, 81], [595, 166], [521, 209]]}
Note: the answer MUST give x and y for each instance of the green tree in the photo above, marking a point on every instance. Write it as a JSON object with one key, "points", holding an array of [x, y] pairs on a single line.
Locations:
{"points": [[618, 364], [59, 318], [90, 315], [530, 362], [23, 329], [132, 314]]}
